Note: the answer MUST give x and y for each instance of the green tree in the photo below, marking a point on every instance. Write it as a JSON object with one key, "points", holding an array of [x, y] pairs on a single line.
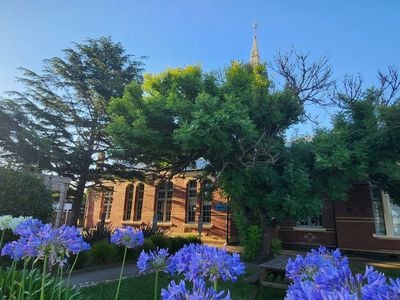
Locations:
{"points": [[57, 122], [234, 122], [363, 145], [24, 194]]}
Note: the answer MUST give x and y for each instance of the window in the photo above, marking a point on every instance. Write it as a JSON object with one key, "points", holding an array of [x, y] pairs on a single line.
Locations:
{"points": [[206, 211], [128, 202], [107, 203], [315, 221], [139, 201], [207, 191], [164, 201], [395, 218], [191, 201], [377, 209], [386, 214]]}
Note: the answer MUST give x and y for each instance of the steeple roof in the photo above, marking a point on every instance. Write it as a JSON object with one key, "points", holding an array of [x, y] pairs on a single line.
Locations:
{"points": [[254, 56]]}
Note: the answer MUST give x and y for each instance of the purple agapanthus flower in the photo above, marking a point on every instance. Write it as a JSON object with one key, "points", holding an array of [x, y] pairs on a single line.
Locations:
{"points": [[324, 274], [13, 250], [198, 292], [71, 238], [157, 260], [40, 240], [201, 261], [127, 237], [28, 227]]}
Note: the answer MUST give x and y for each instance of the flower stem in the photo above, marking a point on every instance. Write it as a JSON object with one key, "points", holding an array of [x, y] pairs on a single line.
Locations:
{"points": [[61, 284], [69, 275], [156, 287], [1, 239], [43, 278], [120, 275], [215, 285], [22, 285], [31, 273], [13, 267]]}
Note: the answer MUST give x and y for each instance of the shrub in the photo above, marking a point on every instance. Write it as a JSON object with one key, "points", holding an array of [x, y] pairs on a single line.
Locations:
{"points": [[149, 231], [252, 243], [103, 252], [192, 239], [177, 243], [94, 235], [160, 241], [22, 193], [81, 262], [276, 247], [148, 245]]}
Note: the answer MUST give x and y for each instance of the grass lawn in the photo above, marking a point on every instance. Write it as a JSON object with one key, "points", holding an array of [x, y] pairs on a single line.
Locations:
{"points": [[142, 287]]}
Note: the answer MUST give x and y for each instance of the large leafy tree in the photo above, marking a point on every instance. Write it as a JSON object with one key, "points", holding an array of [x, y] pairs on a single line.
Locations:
{"points": [[234, 122], [363, 145], [57, 122]]}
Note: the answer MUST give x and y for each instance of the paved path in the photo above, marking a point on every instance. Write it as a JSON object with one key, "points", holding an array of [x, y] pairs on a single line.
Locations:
{"points": [[87, 278]]}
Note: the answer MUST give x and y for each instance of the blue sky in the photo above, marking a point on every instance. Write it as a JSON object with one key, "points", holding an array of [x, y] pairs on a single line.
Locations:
{"points": [[358, 35]]}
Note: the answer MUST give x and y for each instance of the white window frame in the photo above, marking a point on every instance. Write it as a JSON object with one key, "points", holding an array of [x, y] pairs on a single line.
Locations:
{"points": [[309, 222], [387, 215]]}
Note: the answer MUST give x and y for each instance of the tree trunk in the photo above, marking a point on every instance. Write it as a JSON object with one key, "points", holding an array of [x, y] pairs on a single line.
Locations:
{"points": [[266, 237], [78, 197]]}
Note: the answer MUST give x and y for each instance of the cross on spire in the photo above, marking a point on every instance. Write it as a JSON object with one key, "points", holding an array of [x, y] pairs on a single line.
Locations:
{"points": [[255, 25], [254, 56]]}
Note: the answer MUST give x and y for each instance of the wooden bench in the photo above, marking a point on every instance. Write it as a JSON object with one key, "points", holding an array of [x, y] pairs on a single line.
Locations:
{"points": [[272, 272]]}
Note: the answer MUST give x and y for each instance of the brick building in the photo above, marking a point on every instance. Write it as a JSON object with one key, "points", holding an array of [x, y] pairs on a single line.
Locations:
{"points": [[176, 206], [367, 221]]}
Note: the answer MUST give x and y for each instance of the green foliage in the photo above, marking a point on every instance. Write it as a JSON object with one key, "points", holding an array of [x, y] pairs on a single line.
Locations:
{"points": [[192, 239], [177, 243], [102, 253], [252, 242], [149, 231], [24, 194], [56, 123], [100, 233], [276, 246], [362, 146], [161, 241], [237, 124], [148, 245], [31, 282]]}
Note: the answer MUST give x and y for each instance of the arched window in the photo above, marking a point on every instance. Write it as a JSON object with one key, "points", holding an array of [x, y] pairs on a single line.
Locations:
{"points": [[191, 201], [128, 202], [107, 204], [139, 201], [164, 201]]}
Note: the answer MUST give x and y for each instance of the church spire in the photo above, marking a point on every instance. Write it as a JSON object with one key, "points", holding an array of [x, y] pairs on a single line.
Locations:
{"points": [[255, 56]]}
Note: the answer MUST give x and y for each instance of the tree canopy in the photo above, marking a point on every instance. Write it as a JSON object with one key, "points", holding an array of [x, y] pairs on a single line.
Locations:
{"points": [[237, 123], [24, 194], [57, 122]]}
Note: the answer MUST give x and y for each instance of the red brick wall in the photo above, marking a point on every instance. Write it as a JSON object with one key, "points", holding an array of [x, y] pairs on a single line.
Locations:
{"points": [[291, 234], [354, 227], [355, 223]]}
